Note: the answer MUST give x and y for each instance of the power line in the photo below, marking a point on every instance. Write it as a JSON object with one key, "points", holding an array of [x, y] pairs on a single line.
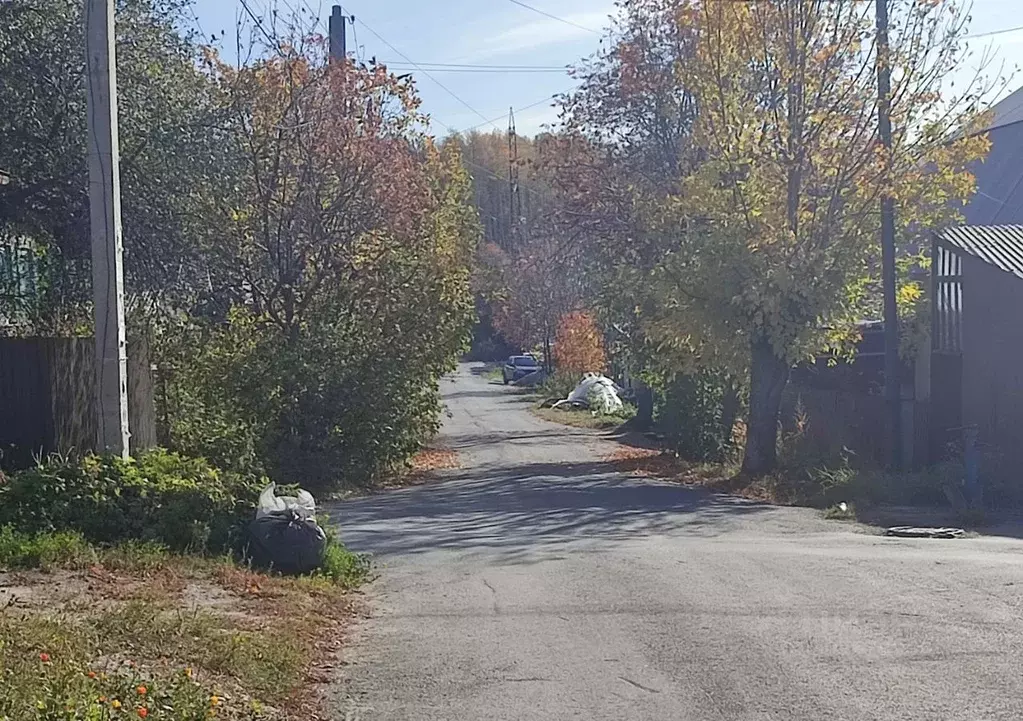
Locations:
{"points": [[516, 110], [355, 36], [416, 65], [555, 17], [259, 24], [495, 67], [993, 32], [479, 70]]}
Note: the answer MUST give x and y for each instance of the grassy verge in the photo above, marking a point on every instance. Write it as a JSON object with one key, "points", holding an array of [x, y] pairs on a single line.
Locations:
{"points": [[580, 418], [134, 631], [494, 373], [667, 466], [841, 493]]}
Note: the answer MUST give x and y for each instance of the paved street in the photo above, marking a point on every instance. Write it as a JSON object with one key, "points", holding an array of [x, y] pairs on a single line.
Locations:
{"points": [[534, 583]]}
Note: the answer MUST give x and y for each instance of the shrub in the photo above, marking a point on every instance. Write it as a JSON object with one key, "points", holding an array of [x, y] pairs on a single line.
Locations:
{"points": [[690, 412], [333, 406], [340, 566], [560, 384], [43, 550], [182, 503]]}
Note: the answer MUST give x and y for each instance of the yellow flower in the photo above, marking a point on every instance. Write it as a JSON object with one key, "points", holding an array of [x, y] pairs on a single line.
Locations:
{"points": [[188, 672], [214, 700], [115, 703]]}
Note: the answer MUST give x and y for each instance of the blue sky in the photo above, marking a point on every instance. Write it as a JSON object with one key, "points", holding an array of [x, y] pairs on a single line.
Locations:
{"points": [[500, 32]]}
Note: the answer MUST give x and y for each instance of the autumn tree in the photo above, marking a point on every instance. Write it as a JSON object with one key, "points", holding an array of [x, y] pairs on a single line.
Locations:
{"points": [[342, 261], [540, 285], [510, 214], [767, 234], [579, 345]]}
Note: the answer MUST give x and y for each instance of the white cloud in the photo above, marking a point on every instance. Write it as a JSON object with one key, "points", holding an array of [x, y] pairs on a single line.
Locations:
{"points": [[537, 34], [534, 121]]}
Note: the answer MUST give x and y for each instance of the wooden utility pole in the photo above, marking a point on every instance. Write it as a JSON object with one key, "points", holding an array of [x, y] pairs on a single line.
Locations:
{"points": [[105, 213], [337, 28], [892, 375]]}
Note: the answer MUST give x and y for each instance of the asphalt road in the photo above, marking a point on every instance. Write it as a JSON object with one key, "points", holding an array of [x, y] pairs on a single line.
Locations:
{"points": [[535, 583]]}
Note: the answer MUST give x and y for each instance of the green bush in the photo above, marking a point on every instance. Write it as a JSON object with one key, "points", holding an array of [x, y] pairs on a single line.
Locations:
{"points": [[559, 384], [43, 550], [340, 566], [182, 503], [329, 407], [689, 411]]}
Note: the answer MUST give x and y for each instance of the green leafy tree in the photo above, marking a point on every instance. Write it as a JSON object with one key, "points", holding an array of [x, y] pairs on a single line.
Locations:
{"points": [[173, 158], [767, 233]]}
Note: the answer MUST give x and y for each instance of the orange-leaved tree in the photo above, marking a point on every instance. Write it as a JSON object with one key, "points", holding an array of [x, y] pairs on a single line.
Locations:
{"points": [[579, 345]]}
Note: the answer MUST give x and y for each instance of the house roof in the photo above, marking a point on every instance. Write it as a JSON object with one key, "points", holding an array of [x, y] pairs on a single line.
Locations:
{"points": [[999, 196], [1007, 111], [997, 245]]}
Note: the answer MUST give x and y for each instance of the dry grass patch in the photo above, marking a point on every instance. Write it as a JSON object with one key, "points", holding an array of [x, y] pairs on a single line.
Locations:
{"points": [[200, 637], [659, 464]]}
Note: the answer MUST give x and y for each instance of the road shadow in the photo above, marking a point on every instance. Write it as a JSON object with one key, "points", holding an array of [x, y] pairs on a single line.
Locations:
{"points": [[530, 512], [556, 434], [494, 390]]}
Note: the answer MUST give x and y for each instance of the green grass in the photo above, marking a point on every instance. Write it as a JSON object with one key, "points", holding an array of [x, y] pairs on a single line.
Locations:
{"points": [[138, 615], [494, 374], [581, 418], [342, 567], [266, 662], [44, 551], [90, 666]]}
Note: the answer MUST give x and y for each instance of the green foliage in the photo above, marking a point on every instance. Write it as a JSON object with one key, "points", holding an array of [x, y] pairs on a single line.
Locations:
{"points": [[172, 146], [161, 497], [321, 409], [559, 384], [340, 566], [840, 512], [825, 485], [689, 411], [43, 550]]}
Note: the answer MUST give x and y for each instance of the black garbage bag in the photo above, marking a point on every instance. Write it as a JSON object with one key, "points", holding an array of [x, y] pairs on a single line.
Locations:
{"points": [[287, 543]]}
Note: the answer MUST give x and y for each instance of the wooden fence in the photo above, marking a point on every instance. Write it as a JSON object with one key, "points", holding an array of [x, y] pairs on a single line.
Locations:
{"points": [[47, 397]]}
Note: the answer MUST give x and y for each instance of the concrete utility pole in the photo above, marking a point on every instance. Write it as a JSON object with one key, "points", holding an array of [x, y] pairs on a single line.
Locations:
{"points": [[105, 213], [892, 379], [514, 192], [337, 32]]}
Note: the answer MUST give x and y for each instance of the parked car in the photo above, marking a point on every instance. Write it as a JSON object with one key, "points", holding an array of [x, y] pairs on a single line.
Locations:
{"points": [[519, 366]]}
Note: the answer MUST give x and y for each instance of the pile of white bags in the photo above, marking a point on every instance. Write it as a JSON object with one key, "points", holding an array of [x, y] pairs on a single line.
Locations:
{"points": [[596, 392]]}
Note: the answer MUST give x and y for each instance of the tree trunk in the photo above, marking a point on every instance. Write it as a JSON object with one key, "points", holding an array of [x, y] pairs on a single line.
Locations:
{"points": [[644, 405], [768, 376]]}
